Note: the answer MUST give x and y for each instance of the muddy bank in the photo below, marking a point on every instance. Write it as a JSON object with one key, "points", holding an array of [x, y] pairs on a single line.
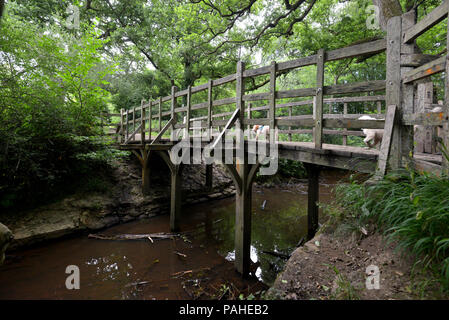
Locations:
{"points": [[122, 202], [334, 267]]}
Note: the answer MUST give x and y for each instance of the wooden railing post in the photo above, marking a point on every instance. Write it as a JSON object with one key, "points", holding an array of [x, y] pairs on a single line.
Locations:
{"points": [[407, 100], [290, 109], [134, 122], [393, 83], [318, 105], [379, 107], [249, 117], [160, 114], [173, 115], [345, 112], [121, 132], [272, 101], [127, 124], [189, 106], [445, 142], [150, 117], [209, 110], [142, 122]]}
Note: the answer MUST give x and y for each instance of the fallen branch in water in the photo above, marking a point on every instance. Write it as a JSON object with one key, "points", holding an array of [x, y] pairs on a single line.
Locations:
{"points": [[183, 273], [180, 254], [277, 254], [148, 236]]}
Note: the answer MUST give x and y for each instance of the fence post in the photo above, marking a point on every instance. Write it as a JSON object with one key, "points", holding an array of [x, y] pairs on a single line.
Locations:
{"points": [[272, 101], [345, 112], [127, 124], [122, 114], [150, 117], [249, 117], [290, 128], [173, 114], [406, 150], [189, 106], [318, 105], [134, 122], [142, 122], [209, 110], [445, 162], [160, 114], [393, 83]]}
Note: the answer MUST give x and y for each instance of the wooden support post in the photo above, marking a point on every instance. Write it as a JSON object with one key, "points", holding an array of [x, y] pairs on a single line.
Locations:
{"points": [[142, 122], [318, 101], [176, 191], [160, 114], [313, 173], [121, 132], [144, 158], [290, 128], [127, 124], [176, 198], [345, 112], [379, 107], [423, 135], [209, 176], [272, 101], [189, 106], [407, 90], [386, 142], [173, 114], [243, 196], [243, 222], [134, 123], [445, 131], [209, 110], [150, 118], [145, 172], [393, 83], [249, 117]]}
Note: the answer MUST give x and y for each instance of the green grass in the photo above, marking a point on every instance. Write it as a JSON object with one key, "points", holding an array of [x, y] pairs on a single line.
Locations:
{"points": [[412, 210]]}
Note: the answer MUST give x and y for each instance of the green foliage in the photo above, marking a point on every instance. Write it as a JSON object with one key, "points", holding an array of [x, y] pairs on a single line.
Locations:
{"points": [[411, 209], [291, 168], [52, 92]]}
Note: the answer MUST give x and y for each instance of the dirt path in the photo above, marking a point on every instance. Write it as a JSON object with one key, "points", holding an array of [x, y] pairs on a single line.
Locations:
{"points": [[328, 267]]}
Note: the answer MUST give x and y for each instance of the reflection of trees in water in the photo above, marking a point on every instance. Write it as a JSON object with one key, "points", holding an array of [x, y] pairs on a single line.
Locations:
{"points": [[278, 228]]}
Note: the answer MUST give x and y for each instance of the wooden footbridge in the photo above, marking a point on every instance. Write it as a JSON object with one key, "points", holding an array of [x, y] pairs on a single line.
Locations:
{"points": [[149, 129]]}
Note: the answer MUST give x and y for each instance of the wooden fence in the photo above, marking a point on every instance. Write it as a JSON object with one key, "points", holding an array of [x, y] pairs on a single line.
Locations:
{"points": [[404, 68]]}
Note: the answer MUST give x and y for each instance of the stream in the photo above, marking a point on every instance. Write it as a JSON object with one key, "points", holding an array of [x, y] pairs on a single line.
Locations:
{"points": [[198, 265]]}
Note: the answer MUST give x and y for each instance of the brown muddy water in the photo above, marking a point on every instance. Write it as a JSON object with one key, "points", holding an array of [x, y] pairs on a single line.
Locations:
{"points": [[144, 270]]}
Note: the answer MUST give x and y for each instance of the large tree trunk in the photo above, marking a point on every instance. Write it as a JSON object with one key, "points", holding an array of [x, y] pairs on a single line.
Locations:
{"points": [[387, 10]]}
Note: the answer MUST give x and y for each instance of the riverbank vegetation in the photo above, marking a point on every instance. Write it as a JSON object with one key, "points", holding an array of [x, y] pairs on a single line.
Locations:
{"points": [[411, 210]]}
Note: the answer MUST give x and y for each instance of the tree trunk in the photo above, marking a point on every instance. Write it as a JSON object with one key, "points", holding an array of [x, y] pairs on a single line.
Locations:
{"points": [[387, 10]]}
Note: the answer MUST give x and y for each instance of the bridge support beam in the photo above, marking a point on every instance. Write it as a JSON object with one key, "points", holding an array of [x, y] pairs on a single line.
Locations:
{"points": [[243, 175], [175, 198], [176, 191], [313, 191], [144, 158], [209, 177]]}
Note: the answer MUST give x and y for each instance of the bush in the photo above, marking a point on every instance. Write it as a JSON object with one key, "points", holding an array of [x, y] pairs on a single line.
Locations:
{"points": [[51, 94], [410, 208]]}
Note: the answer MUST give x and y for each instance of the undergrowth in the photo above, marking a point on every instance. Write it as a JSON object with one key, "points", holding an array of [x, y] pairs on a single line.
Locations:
{"points": [[408, 208]]}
